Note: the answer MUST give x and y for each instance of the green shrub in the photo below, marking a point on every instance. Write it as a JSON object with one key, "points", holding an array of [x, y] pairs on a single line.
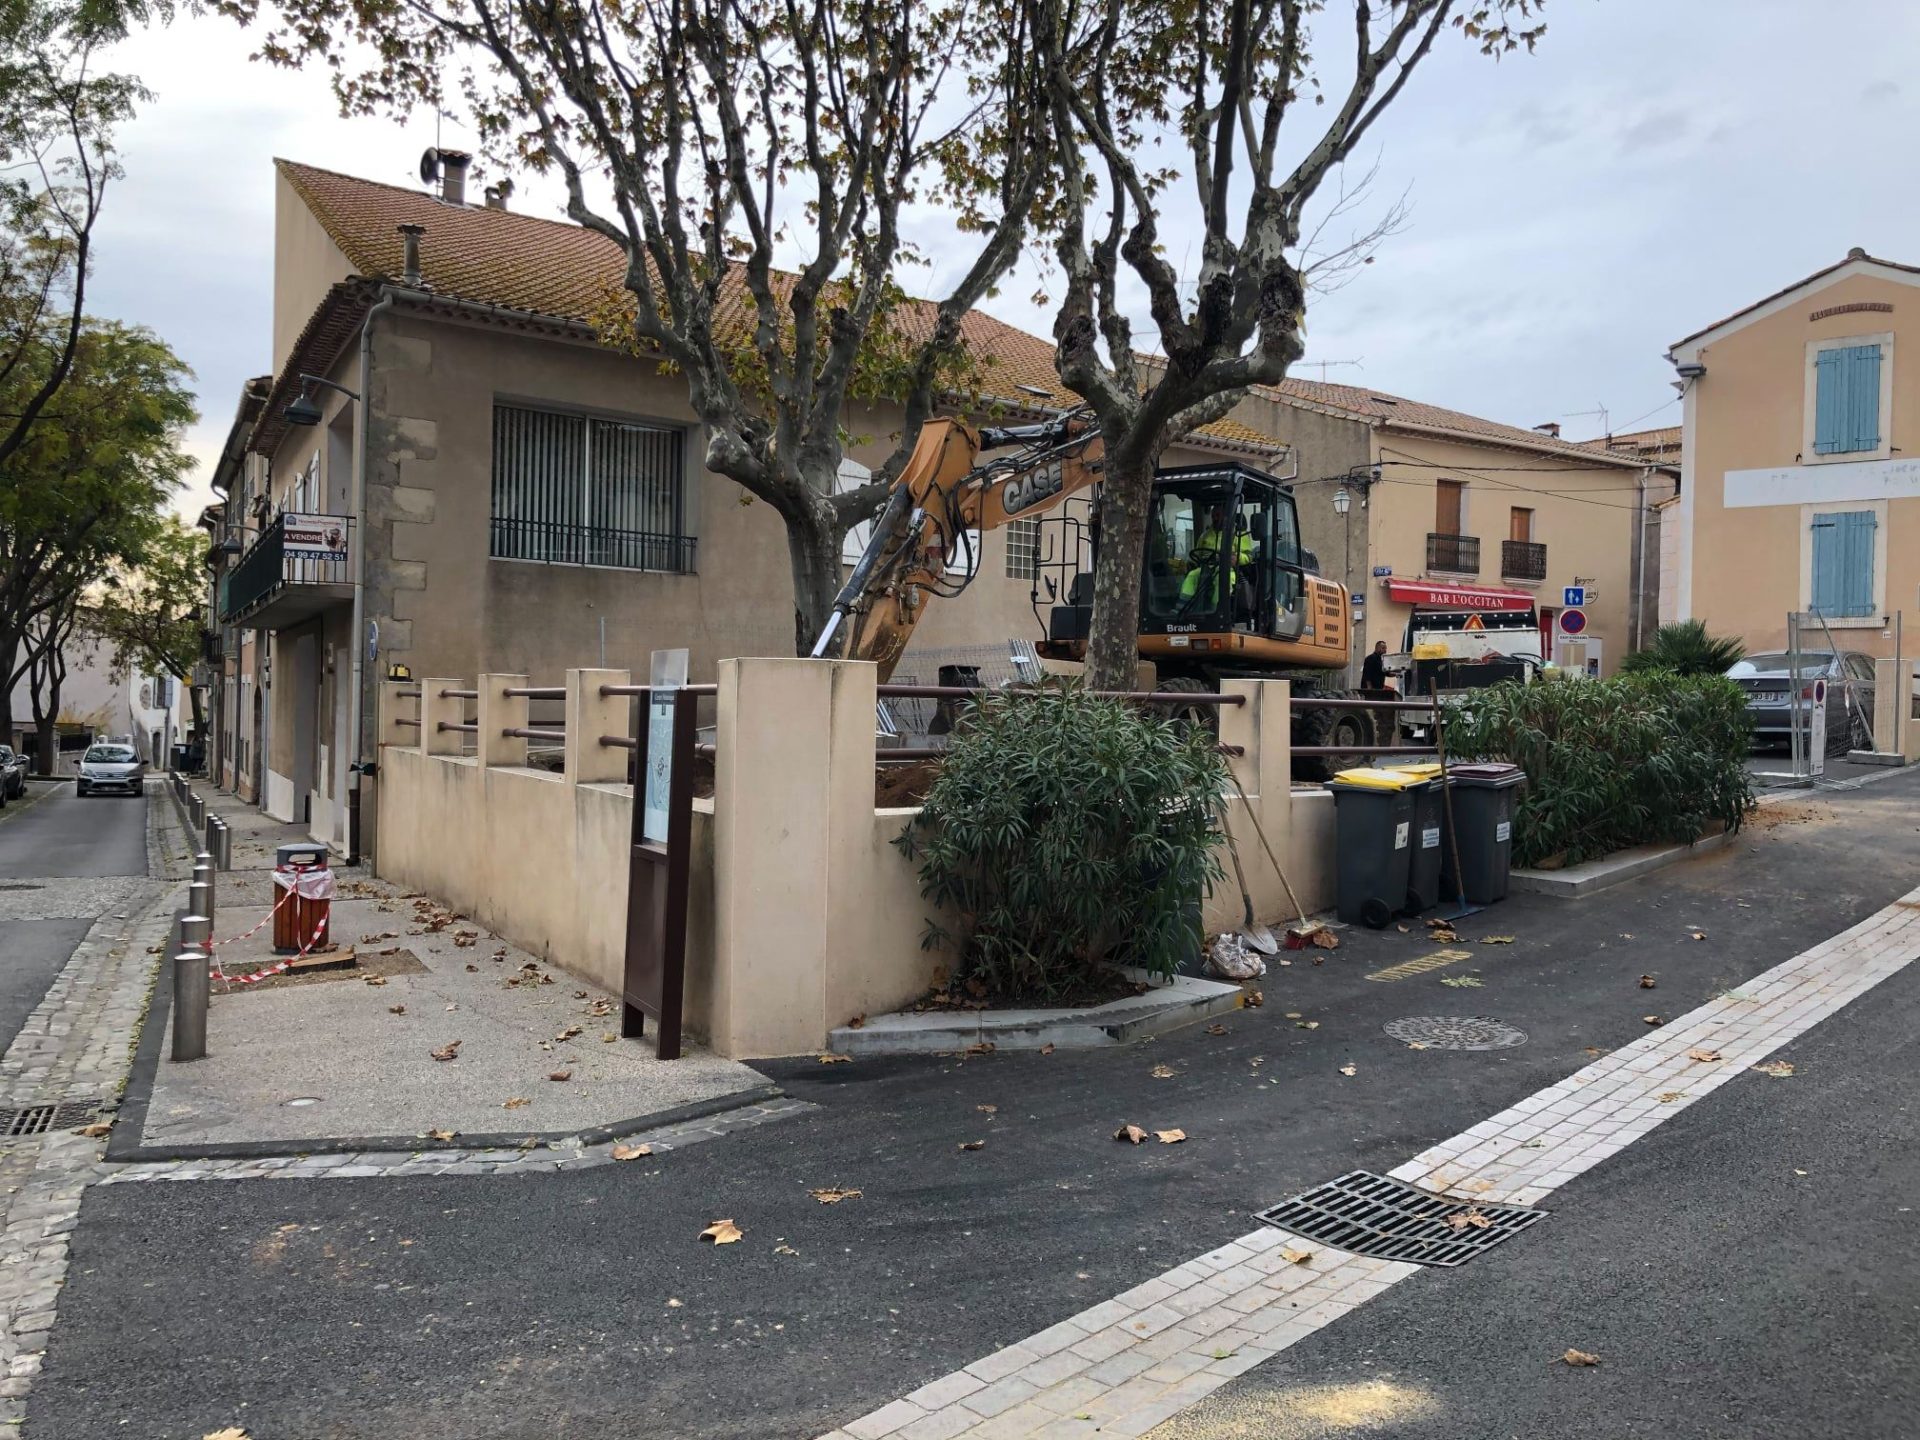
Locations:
{"points": [[1685, 648], [1068, 834], [1613, 763]]}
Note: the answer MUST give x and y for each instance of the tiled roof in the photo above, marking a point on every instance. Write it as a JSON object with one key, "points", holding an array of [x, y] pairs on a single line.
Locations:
{"points": [[1658, 444], [1854, 256], [557, 269], [1394, 412]]}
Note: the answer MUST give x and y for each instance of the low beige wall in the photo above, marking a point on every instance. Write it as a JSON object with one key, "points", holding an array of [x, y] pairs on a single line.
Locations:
{"points": [[802, 914]]}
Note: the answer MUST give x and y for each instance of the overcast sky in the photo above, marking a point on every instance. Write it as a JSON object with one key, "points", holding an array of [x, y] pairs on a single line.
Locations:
{"points": [[1654, 166]]}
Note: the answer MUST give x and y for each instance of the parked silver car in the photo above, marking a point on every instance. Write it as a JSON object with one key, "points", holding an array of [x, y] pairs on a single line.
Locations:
{"points": [[13, 772], [111, 767], [1768, 680]]}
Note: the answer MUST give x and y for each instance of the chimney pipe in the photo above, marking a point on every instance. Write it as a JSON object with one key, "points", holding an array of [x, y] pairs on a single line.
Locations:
{"points": [[453, 176], [410, 266], [497, 195], [1551, 429]]}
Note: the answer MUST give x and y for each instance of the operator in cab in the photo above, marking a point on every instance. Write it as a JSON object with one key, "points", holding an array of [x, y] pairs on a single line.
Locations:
{"points": [[1207, 546]]}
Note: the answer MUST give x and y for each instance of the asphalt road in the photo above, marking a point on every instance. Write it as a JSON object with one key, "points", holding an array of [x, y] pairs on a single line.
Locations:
{"points": [[52, 838], [64, 835], [582, 1304]]}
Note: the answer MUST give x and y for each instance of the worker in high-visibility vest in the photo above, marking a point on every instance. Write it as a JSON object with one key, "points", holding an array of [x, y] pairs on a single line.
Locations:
{"points": [[1206, 548]]}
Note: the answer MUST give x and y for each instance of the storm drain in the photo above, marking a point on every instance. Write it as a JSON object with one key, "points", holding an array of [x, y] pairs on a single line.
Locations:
{"points": [[39, 1119], [1455, 1032], [1383, 1219]]}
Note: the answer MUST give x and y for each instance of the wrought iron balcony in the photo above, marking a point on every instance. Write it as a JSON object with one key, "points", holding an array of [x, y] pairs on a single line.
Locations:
{"points": [[1522, 560], [293, 571], [1454, 554]]}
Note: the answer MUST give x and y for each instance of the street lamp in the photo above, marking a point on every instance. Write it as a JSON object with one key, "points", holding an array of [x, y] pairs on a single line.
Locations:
{"points": [[1342, 501], [301, 410]]}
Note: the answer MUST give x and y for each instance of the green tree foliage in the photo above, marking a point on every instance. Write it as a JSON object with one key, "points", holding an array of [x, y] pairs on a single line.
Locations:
{"points": [[1612, 763], [754, 161], [1209, 113], [1685, 648], [1068, 834], [83, 497], [150, 613]]}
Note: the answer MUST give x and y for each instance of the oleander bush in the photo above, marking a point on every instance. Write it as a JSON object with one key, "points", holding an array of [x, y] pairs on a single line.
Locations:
{"points": [[1068, 835], [1644, 757]]}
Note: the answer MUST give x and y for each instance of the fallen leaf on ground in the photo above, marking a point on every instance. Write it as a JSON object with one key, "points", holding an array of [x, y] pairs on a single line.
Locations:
{"points": [[630, 1152], [1463, 982], [1132, 1134], [1163, 1072], [1705, 1057], [1470, 1219], [1445, 937], [987, 1109], [1647, 982], [473, 967], [832, 1196], [1699, 934], [608, 1038], [835, 1059], [1047, 1049], [96, 1130], [1306, 1024], [985, 1047], [1597, 1052], [515, 1103], [1169, 1137], [449, 1051], [1778, 1069], [568, 1033], [376, 979], [1496, 939], [441, 1134], [1293, 1014], [396, 1009], [1653, 1019], [1416, 1045], [561, 1075], [1326, 939], [1401, 928], [1580, 1357], [232, 1432], [1667, 1097], [784, 1249], [721, 1232], [973, 1144], [1216, 1029], [857, 1022], [1799, 1172], [1255, 999], [1349, 1069], [1296, 1257]]}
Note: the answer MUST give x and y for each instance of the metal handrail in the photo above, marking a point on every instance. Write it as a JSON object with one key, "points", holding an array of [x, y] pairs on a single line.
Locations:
{"points": [[536, 692], [463, 729], [413, 694], [459, 694], [1310, 702], [1363, 750], [1145, 697], [607, 691], [620, 742], [556, 737], [403, 720]]}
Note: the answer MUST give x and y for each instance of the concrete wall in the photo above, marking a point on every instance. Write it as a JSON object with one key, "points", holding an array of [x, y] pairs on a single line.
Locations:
{"points": [[305, 263], [1747, 565], [802, 913]]}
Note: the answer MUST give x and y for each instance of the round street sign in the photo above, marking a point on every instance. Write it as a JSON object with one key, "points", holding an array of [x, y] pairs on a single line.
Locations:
{"points": [[1572, 622]]}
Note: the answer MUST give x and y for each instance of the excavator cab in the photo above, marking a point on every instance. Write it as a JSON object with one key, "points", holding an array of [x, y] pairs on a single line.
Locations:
{"points": [[1224, 574]]}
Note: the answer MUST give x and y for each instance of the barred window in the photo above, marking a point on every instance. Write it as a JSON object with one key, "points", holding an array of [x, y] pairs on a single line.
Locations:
{"points": [[1023, 549], [577, 490]]}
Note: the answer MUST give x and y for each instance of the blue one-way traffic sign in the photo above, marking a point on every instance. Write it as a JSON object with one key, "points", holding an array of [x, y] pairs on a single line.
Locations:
{"points": [[1574, 596]]}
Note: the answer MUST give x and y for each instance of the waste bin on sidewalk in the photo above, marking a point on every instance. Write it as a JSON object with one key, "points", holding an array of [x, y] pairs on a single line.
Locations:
{"points": [[1373, 818], [1429, 820], [303, 898], [1482, 831]]}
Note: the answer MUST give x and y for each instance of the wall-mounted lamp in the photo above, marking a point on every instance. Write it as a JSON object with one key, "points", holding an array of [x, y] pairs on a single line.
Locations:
{"points": [[301, 410], [1692, 370], [1342, 501]]}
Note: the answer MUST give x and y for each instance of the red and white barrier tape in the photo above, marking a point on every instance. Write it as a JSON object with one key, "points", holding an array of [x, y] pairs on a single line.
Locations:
{"points": [[319, 929], [249, 934]]}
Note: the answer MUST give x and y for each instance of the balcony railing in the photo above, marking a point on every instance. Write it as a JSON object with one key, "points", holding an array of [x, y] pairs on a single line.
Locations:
{"points": [[1522, 560], [269, 569], [1455, 554], [556, 543]]}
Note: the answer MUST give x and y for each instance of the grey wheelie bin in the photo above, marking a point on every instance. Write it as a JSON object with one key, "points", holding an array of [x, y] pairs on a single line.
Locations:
{"points": [[1482, 831], [1429, 820], [1373, 819]]}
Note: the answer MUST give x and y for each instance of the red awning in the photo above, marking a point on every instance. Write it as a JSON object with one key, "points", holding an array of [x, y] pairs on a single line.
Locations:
{"points": [[1457, 597]]}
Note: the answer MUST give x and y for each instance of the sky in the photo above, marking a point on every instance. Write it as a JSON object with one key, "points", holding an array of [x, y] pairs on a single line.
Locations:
{"points": [[1653, 167]]}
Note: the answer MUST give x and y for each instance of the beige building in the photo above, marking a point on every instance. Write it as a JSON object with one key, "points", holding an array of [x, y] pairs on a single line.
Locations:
{"points": [[1802, 483]]}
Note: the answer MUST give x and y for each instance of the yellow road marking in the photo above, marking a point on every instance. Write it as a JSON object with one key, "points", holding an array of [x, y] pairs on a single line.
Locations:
{"points": [[1420, 966]]}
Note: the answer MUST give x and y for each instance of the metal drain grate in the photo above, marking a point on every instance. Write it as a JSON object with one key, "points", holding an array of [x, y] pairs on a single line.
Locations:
{"points": [[1384, 1219], [40, 1119], [1456, 1032]]}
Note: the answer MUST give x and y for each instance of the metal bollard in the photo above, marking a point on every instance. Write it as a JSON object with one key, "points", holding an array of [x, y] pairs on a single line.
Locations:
{"points": [[208, 832], [223, 847], [196, 811], [192, 988], [200, 899]]}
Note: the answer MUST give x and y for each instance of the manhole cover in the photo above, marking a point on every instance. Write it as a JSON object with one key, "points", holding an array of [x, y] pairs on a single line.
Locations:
{"points": [[1455, 1032], [1384, 1219], [39, 1119]]}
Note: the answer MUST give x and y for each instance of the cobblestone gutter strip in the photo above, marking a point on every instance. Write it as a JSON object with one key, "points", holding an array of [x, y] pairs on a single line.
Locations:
{"points": [[1126, 1365]]}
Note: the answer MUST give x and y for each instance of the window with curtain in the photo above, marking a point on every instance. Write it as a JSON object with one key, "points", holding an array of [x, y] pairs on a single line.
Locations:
{"points": [[574, 489]]}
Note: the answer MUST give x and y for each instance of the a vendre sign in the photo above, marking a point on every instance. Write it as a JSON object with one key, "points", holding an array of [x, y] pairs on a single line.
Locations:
{"points": [[314, 537]]}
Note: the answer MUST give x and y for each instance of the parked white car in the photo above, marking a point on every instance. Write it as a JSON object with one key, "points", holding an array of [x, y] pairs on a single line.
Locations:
{"points": [[111, 767]]}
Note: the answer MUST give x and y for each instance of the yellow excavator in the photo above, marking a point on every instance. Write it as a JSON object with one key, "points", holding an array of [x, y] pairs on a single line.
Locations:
{"points": [[1226, 590]]}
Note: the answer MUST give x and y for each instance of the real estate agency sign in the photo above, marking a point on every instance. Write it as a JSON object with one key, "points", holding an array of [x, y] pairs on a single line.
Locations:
{"points": [[313, 537]]}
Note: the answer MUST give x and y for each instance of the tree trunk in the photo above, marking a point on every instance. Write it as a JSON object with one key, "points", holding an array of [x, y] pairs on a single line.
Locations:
{"points": [[46, 740], [814, 550], [9, 657], [1113, 643]]}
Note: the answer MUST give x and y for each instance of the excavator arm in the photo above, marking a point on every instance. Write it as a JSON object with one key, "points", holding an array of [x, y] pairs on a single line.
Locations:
{"points": [[944, 492]]}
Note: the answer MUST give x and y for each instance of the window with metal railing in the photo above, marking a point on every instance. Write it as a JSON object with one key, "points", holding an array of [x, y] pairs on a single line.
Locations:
{"points": [[1457, 554], [572, 489], [1523, 560]]}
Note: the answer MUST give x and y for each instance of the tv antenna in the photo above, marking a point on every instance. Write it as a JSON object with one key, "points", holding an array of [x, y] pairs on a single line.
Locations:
{"points": [[1598, 409], [1326, 365]]}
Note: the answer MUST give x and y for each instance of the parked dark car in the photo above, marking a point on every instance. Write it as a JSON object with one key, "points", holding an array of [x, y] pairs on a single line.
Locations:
{"points": [[1768, 678], [13, 766], [111, 767]]}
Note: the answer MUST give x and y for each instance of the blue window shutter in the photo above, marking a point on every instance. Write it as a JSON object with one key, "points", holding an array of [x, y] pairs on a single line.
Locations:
{"points": [[1863, 392], [1826, 563], [1843, 563], [1846, 400], [1828, 406]]}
